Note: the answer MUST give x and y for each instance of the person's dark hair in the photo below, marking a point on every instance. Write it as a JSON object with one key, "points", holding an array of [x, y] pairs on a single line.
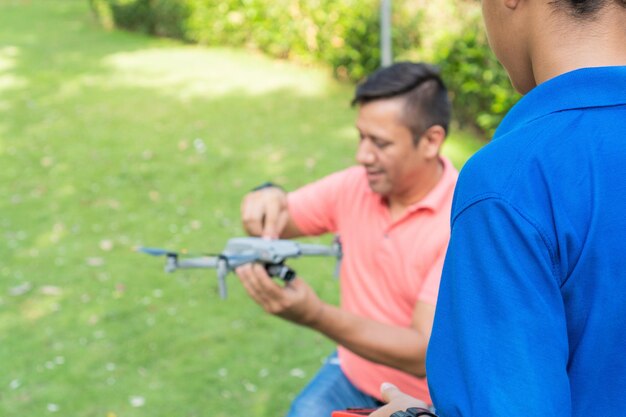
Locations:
{"points": [[585, 8], [427, 102]]}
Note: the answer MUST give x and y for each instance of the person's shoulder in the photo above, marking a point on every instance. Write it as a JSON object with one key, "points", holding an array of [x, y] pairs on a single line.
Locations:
{"points": [[484, 173], [353, 173], [527, 161], [346, 184], [497, 168], [353, 176]]}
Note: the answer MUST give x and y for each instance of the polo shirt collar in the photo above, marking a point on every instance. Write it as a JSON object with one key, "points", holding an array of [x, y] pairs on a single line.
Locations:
{"points": [[581, 88]]}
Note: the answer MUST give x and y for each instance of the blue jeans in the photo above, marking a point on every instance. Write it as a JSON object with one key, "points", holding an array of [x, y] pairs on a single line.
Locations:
{"points": [[329, 391]]}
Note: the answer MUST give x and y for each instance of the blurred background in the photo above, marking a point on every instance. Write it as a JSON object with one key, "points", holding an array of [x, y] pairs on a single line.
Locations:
{"points": [[128, 123]]}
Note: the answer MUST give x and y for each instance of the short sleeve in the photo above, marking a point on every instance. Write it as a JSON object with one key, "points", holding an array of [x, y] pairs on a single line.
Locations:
{"points": [[430, 287], [313, 207], [499, 344]]}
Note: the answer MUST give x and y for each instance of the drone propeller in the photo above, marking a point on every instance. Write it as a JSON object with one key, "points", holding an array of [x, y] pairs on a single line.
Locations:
{"points": [[156, 251], [166, 252]]}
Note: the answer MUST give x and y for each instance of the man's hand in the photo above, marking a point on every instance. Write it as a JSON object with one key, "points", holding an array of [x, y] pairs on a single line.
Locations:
{"points": [[396, 401], [296, 301], [264, 212]]}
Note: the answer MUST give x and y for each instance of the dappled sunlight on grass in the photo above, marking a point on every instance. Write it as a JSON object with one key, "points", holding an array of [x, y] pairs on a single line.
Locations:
{"points": [[73, 87], [8, 79], [52, 236], [272, 158], [3, 130], [189, 72], [39, 306], [8, 56], [32, 304]]}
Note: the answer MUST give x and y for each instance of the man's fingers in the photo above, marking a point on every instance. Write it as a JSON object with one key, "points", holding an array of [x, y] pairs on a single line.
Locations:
{"points": [[396, 401], [258, 284], [244, 272], [271, 222], [265, 283], [264, 213], [389, 392], [249, 280], [252, 218]]}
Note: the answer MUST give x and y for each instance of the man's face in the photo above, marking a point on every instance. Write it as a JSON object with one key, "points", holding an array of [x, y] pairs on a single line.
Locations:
{"points": [[386, 148]]}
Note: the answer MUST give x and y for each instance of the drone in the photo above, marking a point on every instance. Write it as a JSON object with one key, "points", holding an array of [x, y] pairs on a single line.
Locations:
{"points": [[242, 250]]}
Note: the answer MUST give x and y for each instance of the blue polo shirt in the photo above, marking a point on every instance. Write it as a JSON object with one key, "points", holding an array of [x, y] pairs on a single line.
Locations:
{"points": [[531, 316]]}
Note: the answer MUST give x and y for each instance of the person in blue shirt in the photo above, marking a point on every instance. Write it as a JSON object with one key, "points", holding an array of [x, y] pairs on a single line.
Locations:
{"points": [[531, 315]]}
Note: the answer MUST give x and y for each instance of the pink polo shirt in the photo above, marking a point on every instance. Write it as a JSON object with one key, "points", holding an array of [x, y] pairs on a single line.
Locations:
{"points": [[387, 266]]}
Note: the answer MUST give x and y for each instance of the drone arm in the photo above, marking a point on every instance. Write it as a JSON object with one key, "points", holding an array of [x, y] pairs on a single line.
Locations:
{"points": [[308, 249], [202, 262]]}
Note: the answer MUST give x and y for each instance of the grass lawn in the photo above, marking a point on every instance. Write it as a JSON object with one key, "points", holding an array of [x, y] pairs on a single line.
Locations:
{"points": [[109, 140]]}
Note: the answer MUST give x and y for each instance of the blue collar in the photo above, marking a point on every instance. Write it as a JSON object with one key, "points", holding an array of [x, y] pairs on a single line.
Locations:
{"points": [[581, 88]]}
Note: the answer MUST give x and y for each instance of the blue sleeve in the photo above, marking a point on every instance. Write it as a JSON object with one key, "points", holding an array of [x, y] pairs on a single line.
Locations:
{"points": [[499, 343]]}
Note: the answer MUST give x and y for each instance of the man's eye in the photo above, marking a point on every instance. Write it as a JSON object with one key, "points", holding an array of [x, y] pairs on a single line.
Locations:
{"points": [[381, 144]]}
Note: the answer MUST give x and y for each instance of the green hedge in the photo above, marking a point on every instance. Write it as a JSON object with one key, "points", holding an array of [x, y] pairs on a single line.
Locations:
{"points": [[482, 92], [330, 31], [344, 34]]}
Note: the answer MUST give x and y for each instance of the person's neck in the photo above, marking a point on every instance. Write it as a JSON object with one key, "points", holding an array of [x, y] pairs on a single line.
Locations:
{"points": [[596, 43], [398, 203]]}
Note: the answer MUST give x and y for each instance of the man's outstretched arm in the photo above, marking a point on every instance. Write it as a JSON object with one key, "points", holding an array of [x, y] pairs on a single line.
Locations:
{"points": [[394, 346]]}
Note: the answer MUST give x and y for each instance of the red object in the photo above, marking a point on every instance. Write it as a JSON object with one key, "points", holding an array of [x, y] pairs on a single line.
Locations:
{"points": [[353, 412]]}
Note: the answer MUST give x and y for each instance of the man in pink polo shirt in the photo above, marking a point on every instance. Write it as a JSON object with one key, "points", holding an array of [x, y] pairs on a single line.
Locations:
{"points": [[392, 215]]}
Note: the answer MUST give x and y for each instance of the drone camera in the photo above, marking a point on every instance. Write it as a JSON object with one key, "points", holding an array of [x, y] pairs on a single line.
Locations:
{"points": [[280, 271]]}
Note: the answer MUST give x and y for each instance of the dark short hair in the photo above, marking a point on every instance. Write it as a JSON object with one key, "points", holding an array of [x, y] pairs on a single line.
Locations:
{"points": [[426, 96], [585, 8]]}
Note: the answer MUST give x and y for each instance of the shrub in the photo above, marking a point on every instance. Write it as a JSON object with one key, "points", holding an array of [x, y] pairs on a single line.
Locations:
{"points": [[482, 92], [155, 17], [344, 34]]}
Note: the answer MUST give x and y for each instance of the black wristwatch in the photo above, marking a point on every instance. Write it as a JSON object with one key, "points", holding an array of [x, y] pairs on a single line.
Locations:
{"points": [[414, 412], [266, 184]]}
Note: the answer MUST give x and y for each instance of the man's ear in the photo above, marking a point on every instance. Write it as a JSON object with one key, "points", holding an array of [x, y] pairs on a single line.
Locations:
{"points": [[431, 140], [511, 4]]}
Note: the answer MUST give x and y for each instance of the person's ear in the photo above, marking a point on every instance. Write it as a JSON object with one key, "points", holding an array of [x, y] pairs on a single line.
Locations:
{"points": [[511, 4], [431, 140]]}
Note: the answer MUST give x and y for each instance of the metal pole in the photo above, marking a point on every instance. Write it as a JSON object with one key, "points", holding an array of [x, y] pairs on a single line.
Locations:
{"points": [[386, 57]]}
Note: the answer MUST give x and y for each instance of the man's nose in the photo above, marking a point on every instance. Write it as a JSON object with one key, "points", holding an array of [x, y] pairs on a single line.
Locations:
{"points": [[365, 153]]}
